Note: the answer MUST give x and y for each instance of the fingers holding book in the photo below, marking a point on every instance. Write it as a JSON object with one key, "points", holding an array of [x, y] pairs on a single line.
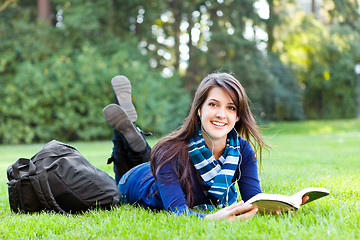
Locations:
{"points": [[304, 199], [236, 211]]}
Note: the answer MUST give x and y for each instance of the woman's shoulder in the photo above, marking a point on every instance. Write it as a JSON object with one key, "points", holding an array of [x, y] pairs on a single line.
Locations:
{"points": [[245, 145], [243, 141]]}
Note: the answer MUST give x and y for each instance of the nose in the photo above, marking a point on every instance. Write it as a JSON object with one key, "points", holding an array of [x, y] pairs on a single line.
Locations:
{"points": [[220, 113]]}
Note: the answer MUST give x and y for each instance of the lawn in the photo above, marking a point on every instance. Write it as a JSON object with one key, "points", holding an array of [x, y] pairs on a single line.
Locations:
{"points": [[306, 154]]}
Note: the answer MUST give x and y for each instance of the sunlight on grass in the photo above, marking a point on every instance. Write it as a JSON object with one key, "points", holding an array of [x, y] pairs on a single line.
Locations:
{"points": [[312, 127]]}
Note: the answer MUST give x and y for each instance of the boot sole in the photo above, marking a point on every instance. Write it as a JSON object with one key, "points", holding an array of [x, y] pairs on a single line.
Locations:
{"points": [[122, 89], [118, 119]]}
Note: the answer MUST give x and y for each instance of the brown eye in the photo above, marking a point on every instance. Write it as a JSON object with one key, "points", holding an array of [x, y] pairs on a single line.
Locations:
{"points": [[212, 104]]}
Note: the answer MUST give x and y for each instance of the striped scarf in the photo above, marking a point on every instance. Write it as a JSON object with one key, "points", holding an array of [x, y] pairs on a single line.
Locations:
{"points": [[216, 174]]}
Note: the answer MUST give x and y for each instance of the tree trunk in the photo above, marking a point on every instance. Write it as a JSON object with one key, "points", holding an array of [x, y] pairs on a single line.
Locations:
{"points": [[270, 26], [314, 9], [175, 7], [44, 10], [313, 6], [190, 79]]}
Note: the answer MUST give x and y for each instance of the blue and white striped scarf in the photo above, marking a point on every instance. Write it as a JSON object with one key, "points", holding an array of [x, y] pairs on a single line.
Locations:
{"points": [[216, 174]]}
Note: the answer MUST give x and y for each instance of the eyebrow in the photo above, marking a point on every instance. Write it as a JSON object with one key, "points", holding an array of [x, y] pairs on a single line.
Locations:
{"points": [[213, 99]]}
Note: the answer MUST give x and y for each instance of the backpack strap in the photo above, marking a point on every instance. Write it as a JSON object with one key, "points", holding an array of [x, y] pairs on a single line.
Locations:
{"points": [[39, 183], [42, 189], [14, 170], [15, 197]]}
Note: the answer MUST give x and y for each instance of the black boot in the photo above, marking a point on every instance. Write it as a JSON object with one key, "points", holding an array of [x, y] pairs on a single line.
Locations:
{"points": [[118, 119], [119, 156], [130, 148], [124, 157]]}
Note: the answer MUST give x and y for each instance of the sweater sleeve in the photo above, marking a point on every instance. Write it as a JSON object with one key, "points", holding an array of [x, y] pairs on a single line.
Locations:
{"points": [[248, 182], [171, 193]]}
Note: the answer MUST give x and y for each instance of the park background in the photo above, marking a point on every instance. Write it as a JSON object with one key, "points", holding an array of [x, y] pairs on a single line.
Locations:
{"points": [[295, 59]]}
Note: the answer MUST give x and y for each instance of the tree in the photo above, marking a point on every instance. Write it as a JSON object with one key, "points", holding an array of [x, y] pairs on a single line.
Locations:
{"points": [[322, 53], [44, 10], [56, 77]]}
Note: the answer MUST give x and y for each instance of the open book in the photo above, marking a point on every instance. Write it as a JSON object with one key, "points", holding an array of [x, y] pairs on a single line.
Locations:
{"points": [[270, 203]]}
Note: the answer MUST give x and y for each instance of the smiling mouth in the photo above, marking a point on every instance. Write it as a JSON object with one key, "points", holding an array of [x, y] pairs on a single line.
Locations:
{"points": [[219, 124]]}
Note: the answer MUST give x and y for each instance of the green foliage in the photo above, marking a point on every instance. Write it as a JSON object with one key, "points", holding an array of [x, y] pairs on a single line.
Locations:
{"points": [[63, 98], [322, 51], [162, 102], [324, 61], [287, 94], [55, 86], [56, 77], [60, 98], [270, 85]]}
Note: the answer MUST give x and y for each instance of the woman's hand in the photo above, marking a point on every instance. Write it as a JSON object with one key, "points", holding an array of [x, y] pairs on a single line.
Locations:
{"points": [[236, 211], [303, 200]]}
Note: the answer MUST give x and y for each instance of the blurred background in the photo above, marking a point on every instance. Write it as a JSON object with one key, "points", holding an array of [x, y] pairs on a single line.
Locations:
{"points": [[297, 59]]}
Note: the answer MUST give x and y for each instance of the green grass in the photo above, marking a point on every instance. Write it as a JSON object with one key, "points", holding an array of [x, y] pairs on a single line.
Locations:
{"points": [[305, 154]]}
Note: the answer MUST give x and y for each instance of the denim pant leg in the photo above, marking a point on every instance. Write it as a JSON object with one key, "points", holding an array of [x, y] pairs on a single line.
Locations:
{"points": [[125, 183]]}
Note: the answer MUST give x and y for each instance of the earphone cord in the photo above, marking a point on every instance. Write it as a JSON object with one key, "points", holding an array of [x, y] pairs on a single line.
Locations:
{"points": [[212, 143], [240, 160]]}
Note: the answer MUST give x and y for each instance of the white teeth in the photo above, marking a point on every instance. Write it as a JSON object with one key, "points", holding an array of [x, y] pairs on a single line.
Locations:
{"points": [[218, 124]]}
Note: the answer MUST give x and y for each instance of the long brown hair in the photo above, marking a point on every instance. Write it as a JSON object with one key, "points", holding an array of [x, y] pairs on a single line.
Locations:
{"points": [[173, 148]]}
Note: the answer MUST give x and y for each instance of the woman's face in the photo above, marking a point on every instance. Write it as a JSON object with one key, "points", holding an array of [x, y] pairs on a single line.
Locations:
{"points": [[218, 115]]}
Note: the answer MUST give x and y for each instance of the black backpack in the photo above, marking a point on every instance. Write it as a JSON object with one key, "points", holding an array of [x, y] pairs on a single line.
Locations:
{"points": [[60, 179]]}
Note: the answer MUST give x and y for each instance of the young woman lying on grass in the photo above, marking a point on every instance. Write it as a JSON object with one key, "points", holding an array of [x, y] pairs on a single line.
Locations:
{"points": [[197, 165]]}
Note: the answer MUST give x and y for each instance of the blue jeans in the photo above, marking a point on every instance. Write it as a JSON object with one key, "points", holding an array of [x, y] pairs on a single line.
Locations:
{"points": [[126, 182]]}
